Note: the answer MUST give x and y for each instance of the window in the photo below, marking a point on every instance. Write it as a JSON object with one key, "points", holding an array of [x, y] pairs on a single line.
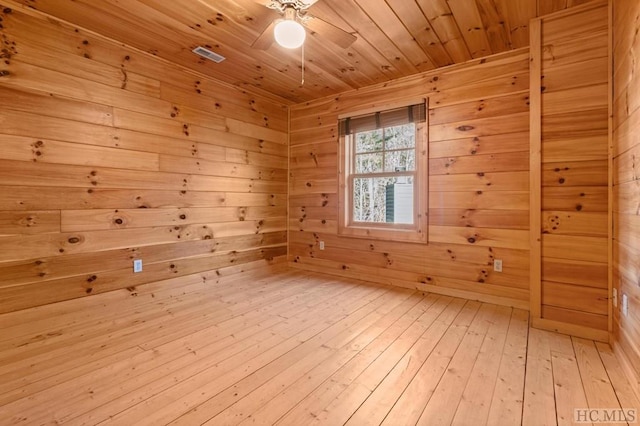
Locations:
{"points": [[383, 174]]}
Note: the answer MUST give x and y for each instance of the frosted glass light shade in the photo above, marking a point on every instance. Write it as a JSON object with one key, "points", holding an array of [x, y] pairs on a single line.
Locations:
{"points": [[289, 34]]}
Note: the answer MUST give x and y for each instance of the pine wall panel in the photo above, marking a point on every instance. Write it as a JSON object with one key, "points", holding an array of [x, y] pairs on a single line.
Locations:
{"points": [[109, 154], [626, 176], [478, 184], [573, 128]]}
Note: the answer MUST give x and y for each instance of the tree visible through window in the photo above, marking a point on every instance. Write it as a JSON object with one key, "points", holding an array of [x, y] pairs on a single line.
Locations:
{"points": [[383, 170]]}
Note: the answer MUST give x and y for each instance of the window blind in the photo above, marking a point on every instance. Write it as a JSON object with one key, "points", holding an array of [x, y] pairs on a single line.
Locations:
{"points": [[394, 117]]}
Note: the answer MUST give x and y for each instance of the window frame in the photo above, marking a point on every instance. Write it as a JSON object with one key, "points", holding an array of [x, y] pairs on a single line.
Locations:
{"points": [[416, 232]]}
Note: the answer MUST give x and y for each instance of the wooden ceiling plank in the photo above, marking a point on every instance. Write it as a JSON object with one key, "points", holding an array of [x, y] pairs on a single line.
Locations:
{"points": [[441, 19], [367, 29], [388, 23], [340, 67], [267, 72], [467, 16], [416, 23], [248, 15], [329, 32], [493, 17], [361, 51], [262, 69]]}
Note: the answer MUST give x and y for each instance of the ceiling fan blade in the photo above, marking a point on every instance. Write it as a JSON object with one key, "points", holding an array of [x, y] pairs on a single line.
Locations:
{"points": [[265, 39], [329, 32], [308, 3]]}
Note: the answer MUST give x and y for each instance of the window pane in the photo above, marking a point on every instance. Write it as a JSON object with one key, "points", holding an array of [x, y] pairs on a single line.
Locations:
{"points": [[369, 163], [369, 141], [400, 161], [399, 137], [383, 200]]}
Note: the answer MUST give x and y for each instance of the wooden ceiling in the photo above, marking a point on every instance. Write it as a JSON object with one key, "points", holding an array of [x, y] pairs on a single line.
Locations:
{"points": [[395, 38]]}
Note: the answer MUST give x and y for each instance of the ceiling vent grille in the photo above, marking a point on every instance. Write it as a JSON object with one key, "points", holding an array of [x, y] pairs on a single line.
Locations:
{"points": [[206, 53]]}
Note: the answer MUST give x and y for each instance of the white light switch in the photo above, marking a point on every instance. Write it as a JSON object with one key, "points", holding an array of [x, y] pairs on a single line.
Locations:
{"points": [[321, 245], [625, 305], [137, 265]]}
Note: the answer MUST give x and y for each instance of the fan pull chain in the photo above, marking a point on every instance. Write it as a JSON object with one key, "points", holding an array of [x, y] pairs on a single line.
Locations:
{"points": [[302, 82]]}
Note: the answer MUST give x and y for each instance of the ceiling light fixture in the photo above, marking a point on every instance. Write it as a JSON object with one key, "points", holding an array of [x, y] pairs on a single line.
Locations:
{"points": [[289, 33]]}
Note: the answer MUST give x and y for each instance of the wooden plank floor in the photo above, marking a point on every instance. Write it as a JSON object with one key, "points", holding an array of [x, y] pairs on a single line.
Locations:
{"points": [[294, 349]]}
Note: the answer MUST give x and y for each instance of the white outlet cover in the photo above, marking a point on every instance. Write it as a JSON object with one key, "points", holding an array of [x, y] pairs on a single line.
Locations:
{"points": [[625, 305], [497, 265], [137, 265], [321, 245]]}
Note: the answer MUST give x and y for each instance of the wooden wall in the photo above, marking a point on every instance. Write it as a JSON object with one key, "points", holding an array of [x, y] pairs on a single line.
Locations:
{"points": [[626, 176], [109, 154], [570, 57], [478, 183]]}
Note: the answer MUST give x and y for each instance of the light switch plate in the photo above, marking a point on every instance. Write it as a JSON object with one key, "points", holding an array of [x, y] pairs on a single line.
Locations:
{"points": [[137, 265]]}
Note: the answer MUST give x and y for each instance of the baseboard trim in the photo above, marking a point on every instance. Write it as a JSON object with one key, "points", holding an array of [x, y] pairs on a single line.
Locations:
{"points": [[571, 329], [463, 294]]}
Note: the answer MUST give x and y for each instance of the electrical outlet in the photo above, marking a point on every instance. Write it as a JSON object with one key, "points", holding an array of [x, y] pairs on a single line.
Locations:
{"points": [[321, 245], [615, 297], [625, 305], [137, 265], [497, 265]]}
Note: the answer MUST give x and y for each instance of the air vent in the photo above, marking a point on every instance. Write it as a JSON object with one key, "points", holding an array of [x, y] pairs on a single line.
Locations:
{"points": [[206, 53]]}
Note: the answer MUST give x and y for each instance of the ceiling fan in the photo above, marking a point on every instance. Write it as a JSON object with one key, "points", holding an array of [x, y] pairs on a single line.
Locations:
{"points": [[288, 30]]}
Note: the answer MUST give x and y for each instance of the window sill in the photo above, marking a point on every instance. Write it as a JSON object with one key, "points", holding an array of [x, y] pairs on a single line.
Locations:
{"points": [[389, 234]]}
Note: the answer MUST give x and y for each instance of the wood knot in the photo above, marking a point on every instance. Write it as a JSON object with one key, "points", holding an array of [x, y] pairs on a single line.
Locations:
{"points": [[73, 240], [119, 221], [4, 73], [92, 278], [561, 180], [471, 240], [465, 128]]}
